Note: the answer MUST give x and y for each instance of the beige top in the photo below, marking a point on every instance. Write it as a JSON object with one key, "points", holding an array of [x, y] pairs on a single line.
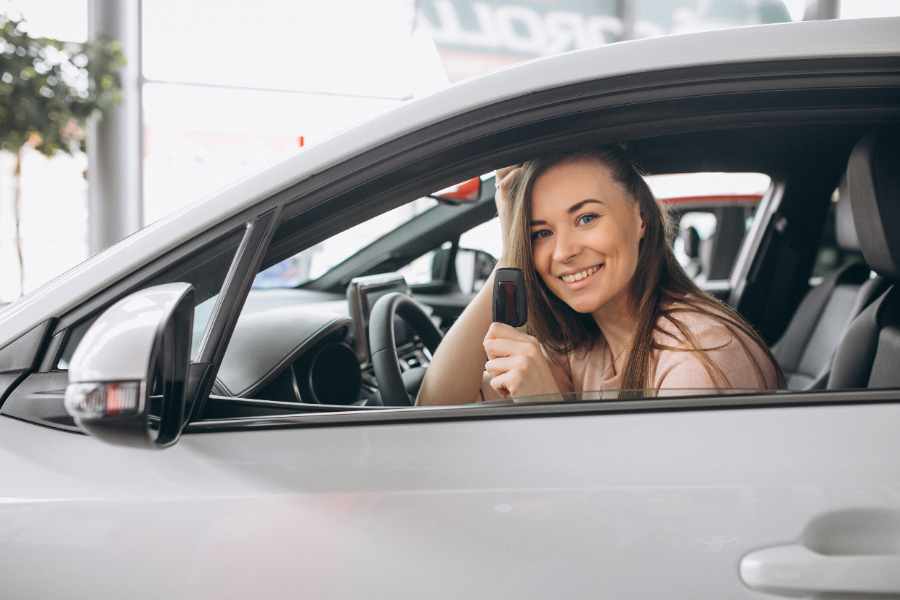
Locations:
{"points": [[672, 371]]}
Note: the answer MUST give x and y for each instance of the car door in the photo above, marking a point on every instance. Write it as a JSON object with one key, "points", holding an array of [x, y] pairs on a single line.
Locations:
{"points": [[625, 501]]}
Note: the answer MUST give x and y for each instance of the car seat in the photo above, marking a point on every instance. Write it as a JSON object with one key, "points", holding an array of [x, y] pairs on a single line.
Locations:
{"points": [[869, 354], [806, 349]]}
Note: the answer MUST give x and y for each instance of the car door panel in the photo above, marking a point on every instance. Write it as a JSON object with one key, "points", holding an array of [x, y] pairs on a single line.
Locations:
{"points": [[642, 504]]}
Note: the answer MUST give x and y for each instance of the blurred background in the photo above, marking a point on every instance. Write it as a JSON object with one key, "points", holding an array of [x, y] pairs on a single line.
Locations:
{"points": [[216, 90]]}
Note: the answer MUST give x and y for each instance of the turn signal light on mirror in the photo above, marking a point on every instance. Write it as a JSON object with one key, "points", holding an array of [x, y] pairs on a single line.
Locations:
{"points": [[98, 400]]}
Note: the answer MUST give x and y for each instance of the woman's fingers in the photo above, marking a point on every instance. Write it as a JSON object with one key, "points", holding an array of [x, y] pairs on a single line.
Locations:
{"points": [[501, 175], [503, 340], [517, 365], [506, 384], [505, 179], [496, 348], [499, 330], [502, 364]]}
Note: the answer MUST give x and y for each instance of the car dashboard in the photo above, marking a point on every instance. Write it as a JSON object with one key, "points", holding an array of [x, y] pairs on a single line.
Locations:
{"points": [[293, 347]]}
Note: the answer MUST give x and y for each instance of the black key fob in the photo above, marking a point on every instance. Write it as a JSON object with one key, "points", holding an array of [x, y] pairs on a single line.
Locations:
{"points": [[509, 304]]}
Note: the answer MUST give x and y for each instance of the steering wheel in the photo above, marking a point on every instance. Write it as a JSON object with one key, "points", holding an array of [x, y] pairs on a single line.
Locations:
{"points": [[383, 343]]}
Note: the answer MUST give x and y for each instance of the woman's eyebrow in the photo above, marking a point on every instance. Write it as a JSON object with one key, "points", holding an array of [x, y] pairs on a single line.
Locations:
{"points": [[572, 209], [579, 205]]}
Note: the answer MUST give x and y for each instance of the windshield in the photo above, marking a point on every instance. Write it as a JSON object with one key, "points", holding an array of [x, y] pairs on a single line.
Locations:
{"points": [[314, 262]]}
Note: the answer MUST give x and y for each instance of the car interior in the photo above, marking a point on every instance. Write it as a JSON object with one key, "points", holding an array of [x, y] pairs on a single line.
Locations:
{"points": [[307, 349]]}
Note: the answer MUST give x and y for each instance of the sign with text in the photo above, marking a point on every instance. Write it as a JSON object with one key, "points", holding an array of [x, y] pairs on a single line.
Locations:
{"points": [[477, 36]]}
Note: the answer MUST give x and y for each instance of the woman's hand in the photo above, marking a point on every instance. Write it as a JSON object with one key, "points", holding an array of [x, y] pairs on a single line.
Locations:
{"points": [[516, 363], [505, 180]]}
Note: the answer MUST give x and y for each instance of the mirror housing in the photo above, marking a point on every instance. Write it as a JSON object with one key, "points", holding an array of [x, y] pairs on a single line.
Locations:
{"points": [[466, 192], [128, 376], [473, 268]]}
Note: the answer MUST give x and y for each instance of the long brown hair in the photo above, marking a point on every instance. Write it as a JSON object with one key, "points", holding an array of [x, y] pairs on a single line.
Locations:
{"points": [[659, 287]]}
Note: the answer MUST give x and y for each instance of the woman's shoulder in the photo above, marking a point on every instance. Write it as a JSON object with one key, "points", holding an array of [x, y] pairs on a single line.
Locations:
{"points": [[701, 345], [683, 323]]}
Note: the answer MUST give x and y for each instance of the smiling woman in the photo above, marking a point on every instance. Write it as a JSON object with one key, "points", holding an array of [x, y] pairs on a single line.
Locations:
{"points": [[610, 306]]}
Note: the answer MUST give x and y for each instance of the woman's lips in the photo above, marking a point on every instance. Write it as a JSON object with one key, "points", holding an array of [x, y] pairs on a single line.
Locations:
{"points": [[581, 278]]}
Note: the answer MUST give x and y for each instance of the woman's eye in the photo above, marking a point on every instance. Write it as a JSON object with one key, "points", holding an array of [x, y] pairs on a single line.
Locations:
{"points": [[585, 219], [540, 233]]}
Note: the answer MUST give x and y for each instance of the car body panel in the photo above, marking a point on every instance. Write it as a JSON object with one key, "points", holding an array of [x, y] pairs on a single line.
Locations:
{"points": [[782, 42], [642, 504]]}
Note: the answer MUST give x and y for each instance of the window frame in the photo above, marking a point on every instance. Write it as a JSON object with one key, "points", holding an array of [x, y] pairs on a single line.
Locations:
{"points": [[431, 173], [396, 416]]}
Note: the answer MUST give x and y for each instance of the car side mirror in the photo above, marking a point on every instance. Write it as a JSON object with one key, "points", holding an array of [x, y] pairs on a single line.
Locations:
{"points": [[465, 192], [473, 267], [128, 376]]}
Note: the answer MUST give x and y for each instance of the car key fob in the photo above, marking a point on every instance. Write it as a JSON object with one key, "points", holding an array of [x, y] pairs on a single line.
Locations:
{"points": [[509, 305]]}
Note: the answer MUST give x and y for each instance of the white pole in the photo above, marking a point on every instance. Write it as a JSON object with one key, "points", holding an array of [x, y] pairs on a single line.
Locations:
{"points": [[115, 143], [821, 10]]}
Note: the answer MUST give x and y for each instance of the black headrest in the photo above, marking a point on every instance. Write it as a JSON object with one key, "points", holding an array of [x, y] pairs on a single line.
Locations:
{"points": [[873, 178], [844, 227]]}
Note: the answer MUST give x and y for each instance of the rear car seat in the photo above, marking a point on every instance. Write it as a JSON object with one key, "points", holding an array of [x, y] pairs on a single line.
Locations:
{"points": [[806, 349], [869, 355]]}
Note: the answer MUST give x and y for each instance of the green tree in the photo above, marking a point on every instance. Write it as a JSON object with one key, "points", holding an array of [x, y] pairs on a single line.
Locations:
{"points": [[48, 91]]}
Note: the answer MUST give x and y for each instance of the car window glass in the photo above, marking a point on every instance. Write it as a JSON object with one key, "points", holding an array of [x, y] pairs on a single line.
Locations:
{"points": [[314, 262], [422, 270], [205, 269], [695, 232], [830, 257], [710, 215], [484, 237]]}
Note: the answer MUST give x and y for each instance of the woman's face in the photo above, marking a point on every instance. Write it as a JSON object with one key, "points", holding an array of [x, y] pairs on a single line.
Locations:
{"points": [[585, 233]]}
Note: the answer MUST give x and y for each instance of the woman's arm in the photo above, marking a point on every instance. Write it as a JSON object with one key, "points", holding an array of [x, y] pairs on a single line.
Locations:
{"points": [[517, 366], [455, 373]]}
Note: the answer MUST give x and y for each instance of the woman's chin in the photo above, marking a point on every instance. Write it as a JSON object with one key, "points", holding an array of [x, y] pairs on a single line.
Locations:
{"points": [[587, 303], [583, 306]]}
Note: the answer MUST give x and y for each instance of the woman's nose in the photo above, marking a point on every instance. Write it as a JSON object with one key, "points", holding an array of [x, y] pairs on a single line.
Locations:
{"points": [[566, 248]]}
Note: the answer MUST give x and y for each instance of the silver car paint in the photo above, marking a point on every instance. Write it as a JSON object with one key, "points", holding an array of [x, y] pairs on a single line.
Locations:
{"points": [[606, 506]]}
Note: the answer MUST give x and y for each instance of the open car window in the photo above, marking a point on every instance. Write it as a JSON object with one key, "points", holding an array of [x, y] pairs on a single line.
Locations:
{"points": [[293, 342]]}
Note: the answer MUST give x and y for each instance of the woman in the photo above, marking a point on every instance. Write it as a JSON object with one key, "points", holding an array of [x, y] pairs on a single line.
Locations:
{"points": [[609, 307]]}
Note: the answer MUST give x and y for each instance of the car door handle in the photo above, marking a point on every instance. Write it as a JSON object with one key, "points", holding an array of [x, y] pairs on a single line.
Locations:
{"points": [[795, 570]]}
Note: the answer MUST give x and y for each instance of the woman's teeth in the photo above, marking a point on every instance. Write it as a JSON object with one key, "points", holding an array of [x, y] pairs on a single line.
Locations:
{"points": [[573, 277]]}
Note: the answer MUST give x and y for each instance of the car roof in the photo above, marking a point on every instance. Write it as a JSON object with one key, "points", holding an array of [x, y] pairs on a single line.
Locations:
{"points": [[788, 41]]}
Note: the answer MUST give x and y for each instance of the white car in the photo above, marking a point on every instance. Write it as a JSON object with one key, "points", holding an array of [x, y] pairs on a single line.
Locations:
{"points": [[240, 442]]}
